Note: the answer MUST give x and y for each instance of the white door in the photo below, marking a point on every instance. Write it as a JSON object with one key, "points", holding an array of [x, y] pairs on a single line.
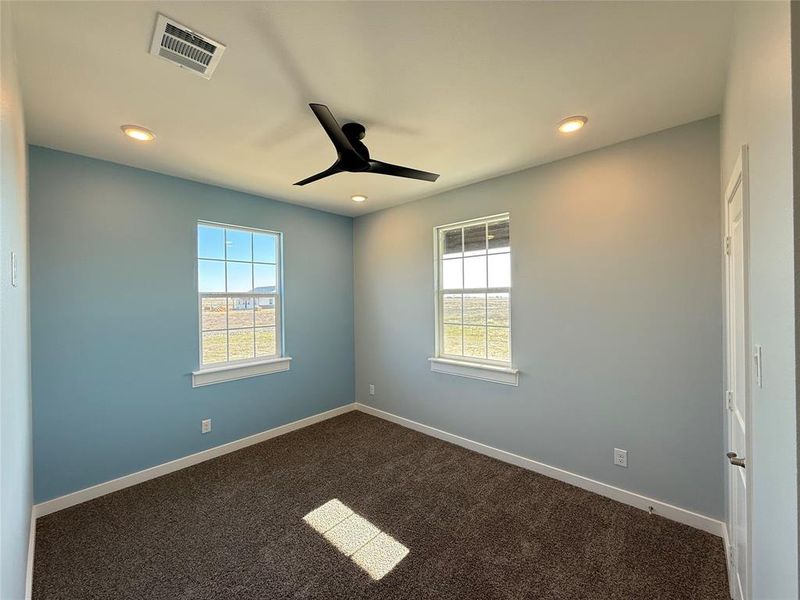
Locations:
{"points": [[738, 392]]}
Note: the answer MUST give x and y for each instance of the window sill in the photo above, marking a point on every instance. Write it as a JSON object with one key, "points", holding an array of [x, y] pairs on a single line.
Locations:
{"points": [[493, 373], [211, 375]]}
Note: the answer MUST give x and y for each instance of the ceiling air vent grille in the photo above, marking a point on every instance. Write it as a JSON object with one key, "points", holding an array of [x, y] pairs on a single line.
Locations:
{"points": [[185, 48]]}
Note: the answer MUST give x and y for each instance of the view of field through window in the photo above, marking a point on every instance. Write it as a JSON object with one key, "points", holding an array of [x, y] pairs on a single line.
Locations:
{"points": [[475, 291], [237, 276]]}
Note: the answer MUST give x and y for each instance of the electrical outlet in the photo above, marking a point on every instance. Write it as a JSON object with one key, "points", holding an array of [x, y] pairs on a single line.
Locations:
{"points": [[205, 426], [620, 457], [371, 389]]}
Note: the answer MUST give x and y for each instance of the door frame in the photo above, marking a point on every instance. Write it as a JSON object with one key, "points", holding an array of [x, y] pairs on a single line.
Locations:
{"points": [[738, 178]]}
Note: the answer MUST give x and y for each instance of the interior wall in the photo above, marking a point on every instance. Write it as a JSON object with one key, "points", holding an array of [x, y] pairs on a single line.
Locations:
{"points": [[16, 470], [616, 316], [114, 318], [758, 112], [795, 44]]}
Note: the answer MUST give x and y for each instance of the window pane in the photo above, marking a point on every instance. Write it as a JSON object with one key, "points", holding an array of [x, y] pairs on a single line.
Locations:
{"points": [[265, 311], [475, 309], [210, 276], [265, 342], [240, 312], [451, 308], [213, 313], [475, 342], [498, 237], [264, 279], [452, 243], [499, 347], [475, 239], [452, 275], [452, 340], [240, 277], [498, 309], [215, 347], [475, 258], [264, 247], [233, 324], [238, 244], [210, 242], [500, 270], [475, 272], [240, 344]]}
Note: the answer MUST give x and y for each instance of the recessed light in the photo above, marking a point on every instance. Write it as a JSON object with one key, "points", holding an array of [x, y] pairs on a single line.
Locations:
{"points": [[138, 133], [358, 198], [571, 124]]}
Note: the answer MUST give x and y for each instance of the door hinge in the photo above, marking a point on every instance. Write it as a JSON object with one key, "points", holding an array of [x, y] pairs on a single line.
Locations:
{"points": [[729, 399], [728, 245]]}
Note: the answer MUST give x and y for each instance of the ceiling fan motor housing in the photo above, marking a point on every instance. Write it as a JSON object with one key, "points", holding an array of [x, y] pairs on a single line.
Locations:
{"points": [[355, 132]]}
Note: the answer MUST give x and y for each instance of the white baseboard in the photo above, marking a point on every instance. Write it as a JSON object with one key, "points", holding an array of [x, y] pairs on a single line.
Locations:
{"points": [[101, 489], [668, 511], [658, 507], [31, 548], [726, 543]]}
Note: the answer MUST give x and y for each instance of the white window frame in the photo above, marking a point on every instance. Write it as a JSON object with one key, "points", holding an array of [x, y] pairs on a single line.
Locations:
{"points": [[473, 367], [249, 367]]}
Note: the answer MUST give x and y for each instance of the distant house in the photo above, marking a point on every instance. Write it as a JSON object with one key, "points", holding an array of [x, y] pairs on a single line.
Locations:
{"points": [[245, 303]]}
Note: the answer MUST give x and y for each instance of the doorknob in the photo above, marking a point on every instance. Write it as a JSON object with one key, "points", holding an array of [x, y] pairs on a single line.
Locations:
{"points": [[734, 460]]}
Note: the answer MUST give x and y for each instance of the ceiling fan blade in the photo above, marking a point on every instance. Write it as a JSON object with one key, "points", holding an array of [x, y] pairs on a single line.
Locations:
{"points": [[326, 173], [332, 128], [376, 166]]}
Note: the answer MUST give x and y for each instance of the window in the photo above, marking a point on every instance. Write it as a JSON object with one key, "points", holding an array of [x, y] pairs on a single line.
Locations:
{"points": [[473, 296], [239, 294]]}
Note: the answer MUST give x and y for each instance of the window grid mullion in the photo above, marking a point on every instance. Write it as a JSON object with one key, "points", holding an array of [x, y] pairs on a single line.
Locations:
{"points": [[252, 288], [244, 262], [227, 305], [494, 290], [486, 295], [463, 272], [237, 295]]}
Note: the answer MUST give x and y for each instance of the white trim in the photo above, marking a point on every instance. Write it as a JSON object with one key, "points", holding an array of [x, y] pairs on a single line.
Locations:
{"points": [[663, 509], [439, 292], [726, 544], [658, 507], [474, 370], [277, 295], [232, 372], [739, 178], [736, 174], [31, 552], [101, 489], [474, 221]]}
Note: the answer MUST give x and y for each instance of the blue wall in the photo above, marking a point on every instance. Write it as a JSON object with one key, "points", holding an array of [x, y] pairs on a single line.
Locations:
{"points": [[114, 320]]}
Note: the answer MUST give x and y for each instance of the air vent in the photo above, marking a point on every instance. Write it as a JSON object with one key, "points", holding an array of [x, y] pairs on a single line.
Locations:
{"points": [[185, 48]]}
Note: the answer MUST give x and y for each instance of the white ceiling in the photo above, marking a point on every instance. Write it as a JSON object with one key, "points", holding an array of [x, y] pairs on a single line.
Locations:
{"points": [[469, 90]]}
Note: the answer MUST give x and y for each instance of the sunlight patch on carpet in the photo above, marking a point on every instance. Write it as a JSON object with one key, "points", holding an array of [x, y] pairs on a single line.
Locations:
{"points": [[371, 549]]}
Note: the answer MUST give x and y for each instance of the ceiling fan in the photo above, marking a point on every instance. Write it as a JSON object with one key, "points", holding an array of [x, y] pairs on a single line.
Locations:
{"points": [[353, 155]]}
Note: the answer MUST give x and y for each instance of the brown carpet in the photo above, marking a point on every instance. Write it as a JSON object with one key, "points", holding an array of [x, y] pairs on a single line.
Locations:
{"points": [[476, 528]]}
